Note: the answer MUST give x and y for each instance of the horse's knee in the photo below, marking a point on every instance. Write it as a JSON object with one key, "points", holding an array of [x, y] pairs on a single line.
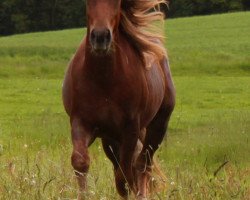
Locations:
{"points": [[80, 162]]}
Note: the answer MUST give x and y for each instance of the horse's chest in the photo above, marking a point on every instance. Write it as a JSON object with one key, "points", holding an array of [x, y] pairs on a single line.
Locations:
{"points": [[97, 108]]}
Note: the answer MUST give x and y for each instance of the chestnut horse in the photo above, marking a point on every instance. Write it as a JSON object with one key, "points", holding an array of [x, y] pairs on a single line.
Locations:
{"points": [[118, 87]]}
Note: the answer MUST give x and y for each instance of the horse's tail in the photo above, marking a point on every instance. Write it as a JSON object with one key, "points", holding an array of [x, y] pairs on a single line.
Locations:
{"points": [[158, 181]]}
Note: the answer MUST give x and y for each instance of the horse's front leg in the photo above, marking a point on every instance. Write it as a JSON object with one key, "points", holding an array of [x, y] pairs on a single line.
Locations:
{"points": [[124, 175], [82, 137]]}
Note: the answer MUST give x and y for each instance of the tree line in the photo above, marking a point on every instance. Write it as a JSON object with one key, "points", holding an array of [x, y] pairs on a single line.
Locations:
{"points": [[180, 8], [19, 16]]}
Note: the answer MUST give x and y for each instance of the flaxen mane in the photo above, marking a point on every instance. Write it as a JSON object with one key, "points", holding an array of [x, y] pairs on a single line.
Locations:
{"points": [[136, 24]]}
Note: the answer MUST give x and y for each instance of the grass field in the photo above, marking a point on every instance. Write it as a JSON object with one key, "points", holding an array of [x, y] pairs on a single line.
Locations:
{"points": [[210, 60]]}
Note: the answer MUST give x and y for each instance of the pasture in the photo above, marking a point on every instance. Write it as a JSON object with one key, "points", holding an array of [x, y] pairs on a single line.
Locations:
{"points": [[206, 153]]}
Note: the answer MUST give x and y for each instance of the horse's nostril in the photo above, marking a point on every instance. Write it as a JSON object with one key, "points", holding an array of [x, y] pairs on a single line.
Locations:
{"points": [[93, 35], [108, 36], [100, 38]]}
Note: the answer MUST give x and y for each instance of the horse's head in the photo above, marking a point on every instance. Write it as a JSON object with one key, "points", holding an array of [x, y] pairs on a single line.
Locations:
{"points": [[103, 18]]}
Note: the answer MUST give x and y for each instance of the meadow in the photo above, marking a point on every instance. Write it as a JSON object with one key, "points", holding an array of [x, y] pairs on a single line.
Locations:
{"points": [[206, 152]]}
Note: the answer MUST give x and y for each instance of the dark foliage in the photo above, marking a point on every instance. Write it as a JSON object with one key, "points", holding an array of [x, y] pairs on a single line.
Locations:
{"points": [[18, 16], [203, 7], [246, 4]]}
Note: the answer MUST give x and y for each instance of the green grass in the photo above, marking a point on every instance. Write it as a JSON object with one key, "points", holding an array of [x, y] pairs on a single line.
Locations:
{"points": [[210, 61]]}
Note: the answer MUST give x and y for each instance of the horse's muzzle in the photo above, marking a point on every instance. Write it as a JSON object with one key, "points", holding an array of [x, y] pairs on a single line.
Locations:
{"points": [[100, 40]]}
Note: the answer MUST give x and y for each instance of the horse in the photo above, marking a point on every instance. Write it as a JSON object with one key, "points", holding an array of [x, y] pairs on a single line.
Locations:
{"points": [[118, 88]]}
